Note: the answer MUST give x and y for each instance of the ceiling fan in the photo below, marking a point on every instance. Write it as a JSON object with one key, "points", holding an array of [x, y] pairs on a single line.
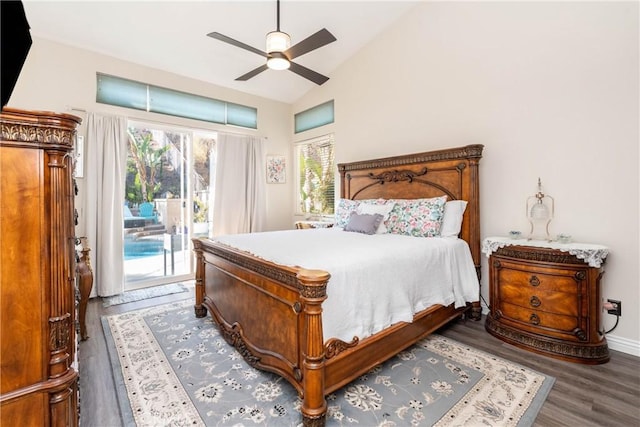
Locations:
{"points": [[280, 53]]}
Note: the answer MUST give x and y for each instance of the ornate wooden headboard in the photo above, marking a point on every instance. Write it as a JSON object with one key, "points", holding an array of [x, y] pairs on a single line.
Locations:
{"points": [[452, 172]]}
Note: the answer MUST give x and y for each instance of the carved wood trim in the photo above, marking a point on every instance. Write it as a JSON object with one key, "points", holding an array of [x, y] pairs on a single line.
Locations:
{"points": [[566, 349], [38, 127], [318, 421], [59, 332], [253, 264], [28, 133], [234, 336], [335, 346], [397, 175], [535, 254], [469, 151]]}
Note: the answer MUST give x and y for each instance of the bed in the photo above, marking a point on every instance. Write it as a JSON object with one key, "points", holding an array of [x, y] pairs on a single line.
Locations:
{"points": [[273, 313]]}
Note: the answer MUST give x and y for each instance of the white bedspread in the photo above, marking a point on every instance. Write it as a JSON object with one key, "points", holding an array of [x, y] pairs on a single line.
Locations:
{"points": [[376, 280]]}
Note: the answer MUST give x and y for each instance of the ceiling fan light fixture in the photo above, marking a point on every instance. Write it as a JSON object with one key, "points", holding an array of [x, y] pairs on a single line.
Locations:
{"points": [[278, 61], [277, 43]]}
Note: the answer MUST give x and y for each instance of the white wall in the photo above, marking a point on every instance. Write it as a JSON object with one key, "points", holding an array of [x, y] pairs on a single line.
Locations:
{"points": [[550, 89], [57, 77]]}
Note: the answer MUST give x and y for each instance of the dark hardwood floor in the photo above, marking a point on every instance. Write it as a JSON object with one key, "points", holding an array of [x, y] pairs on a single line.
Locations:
{"points": [[583, 395]]}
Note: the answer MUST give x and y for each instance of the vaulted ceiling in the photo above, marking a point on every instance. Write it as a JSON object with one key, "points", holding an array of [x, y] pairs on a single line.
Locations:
{"points": [[172, 35]]}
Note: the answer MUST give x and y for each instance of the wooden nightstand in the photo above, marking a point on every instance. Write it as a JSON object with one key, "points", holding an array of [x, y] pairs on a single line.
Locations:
{"points": [[546, 300], [313, 224]]}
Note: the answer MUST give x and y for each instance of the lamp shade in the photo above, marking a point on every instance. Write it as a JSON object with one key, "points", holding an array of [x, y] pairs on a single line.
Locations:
{"points": [[539, 211]]}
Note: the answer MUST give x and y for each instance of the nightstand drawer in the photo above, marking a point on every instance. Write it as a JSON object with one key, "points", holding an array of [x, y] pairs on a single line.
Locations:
{"points": [[536, 321], [537, 299], [540, 278]]}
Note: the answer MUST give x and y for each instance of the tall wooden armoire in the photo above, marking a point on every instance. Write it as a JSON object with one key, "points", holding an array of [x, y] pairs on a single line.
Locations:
{"points": [[38, 375]]}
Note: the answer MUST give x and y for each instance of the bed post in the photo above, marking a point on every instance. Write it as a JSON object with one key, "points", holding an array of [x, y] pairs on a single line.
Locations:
{"points": [[474, 153], [313, 287], [199, 309]]}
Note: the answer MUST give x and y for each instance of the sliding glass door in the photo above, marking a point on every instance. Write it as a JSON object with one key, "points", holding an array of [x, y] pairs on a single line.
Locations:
{"points": [[168, 194]]}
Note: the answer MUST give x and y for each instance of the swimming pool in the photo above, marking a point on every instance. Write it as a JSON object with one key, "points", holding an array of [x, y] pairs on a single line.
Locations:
{"points": [[140, 248]]}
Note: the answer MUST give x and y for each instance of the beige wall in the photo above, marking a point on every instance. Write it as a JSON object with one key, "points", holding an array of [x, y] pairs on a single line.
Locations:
{"points": [[550, 89], [58, 77]]}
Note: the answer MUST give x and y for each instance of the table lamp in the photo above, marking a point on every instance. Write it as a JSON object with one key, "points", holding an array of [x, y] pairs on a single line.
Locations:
{"points": [[540, 209]]}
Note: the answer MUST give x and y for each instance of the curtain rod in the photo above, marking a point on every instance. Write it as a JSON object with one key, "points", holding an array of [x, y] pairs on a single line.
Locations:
{"points": [[138, 119]]}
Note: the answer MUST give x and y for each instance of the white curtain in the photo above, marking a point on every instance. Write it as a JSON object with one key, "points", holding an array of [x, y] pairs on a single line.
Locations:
{"points": [[239, 199], [105, 168]]}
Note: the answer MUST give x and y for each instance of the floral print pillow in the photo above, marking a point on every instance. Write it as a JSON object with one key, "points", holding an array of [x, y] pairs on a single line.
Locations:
{"points": [[419, 217], [343, 211]]}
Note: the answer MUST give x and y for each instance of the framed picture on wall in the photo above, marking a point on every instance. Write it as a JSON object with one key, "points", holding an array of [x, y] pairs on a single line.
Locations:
{"points": [[276, 170]]}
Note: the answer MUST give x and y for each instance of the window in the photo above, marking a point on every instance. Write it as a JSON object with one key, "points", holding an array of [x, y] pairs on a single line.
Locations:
{"points": [[317, 116], [141, 96], [315, 176]]}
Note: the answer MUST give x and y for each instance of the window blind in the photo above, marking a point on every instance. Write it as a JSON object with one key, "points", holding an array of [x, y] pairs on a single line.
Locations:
{"points": [[126, 93], [315, 173], [317, 116]]}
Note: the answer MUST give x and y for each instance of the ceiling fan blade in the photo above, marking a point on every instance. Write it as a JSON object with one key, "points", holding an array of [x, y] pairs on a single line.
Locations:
{"points": [[236, 43], [308, 74], [252, 73], [314, 41]]}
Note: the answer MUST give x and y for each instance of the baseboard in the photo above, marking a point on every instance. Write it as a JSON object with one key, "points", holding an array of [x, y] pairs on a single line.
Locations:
{"points": [[623, 345]]}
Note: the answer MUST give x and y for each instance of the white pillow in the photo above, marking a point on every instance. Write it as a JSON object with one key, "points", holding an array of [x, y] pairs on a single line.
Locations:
{"points": [[452, 221], [382, 209]]}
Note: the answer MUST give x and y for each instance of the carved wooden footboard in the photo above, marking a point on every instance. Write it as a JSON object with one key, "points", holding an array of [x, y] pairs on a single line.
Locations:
{"points": [[273, 314]]}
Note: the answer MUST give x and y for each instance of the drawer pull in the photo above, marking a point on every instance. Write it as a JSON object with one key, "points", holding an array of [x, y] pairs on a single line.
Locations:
{"points": [[534, 281], [534, 319], [535, 301]]}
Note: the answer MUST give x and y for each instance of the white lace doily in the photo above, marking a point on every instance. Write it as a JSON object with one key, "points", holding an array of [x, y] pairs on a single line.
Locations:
{"points": [[594, 255]]}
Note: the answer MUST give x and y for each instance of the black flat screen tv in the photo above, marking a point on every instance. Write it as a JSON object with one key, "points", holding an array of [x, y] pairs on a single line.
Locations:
{"points": [[15, 42]]}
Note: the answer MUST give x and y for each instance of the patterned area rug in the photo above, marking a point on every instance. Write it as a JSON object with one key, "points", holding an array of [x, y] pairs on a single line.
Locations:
{"points": [[174, 369], [140, 294]]}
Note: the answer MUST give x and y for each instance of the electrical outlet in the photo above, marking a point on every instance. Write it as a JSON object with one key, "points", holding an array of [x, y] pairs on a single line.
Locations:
{"points": [[616, 307]]}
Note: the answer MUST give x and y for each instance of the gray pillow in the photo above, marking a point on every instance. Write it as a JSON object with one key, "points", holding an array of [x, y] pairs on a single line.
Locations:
{"points": [[363, 223]]}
